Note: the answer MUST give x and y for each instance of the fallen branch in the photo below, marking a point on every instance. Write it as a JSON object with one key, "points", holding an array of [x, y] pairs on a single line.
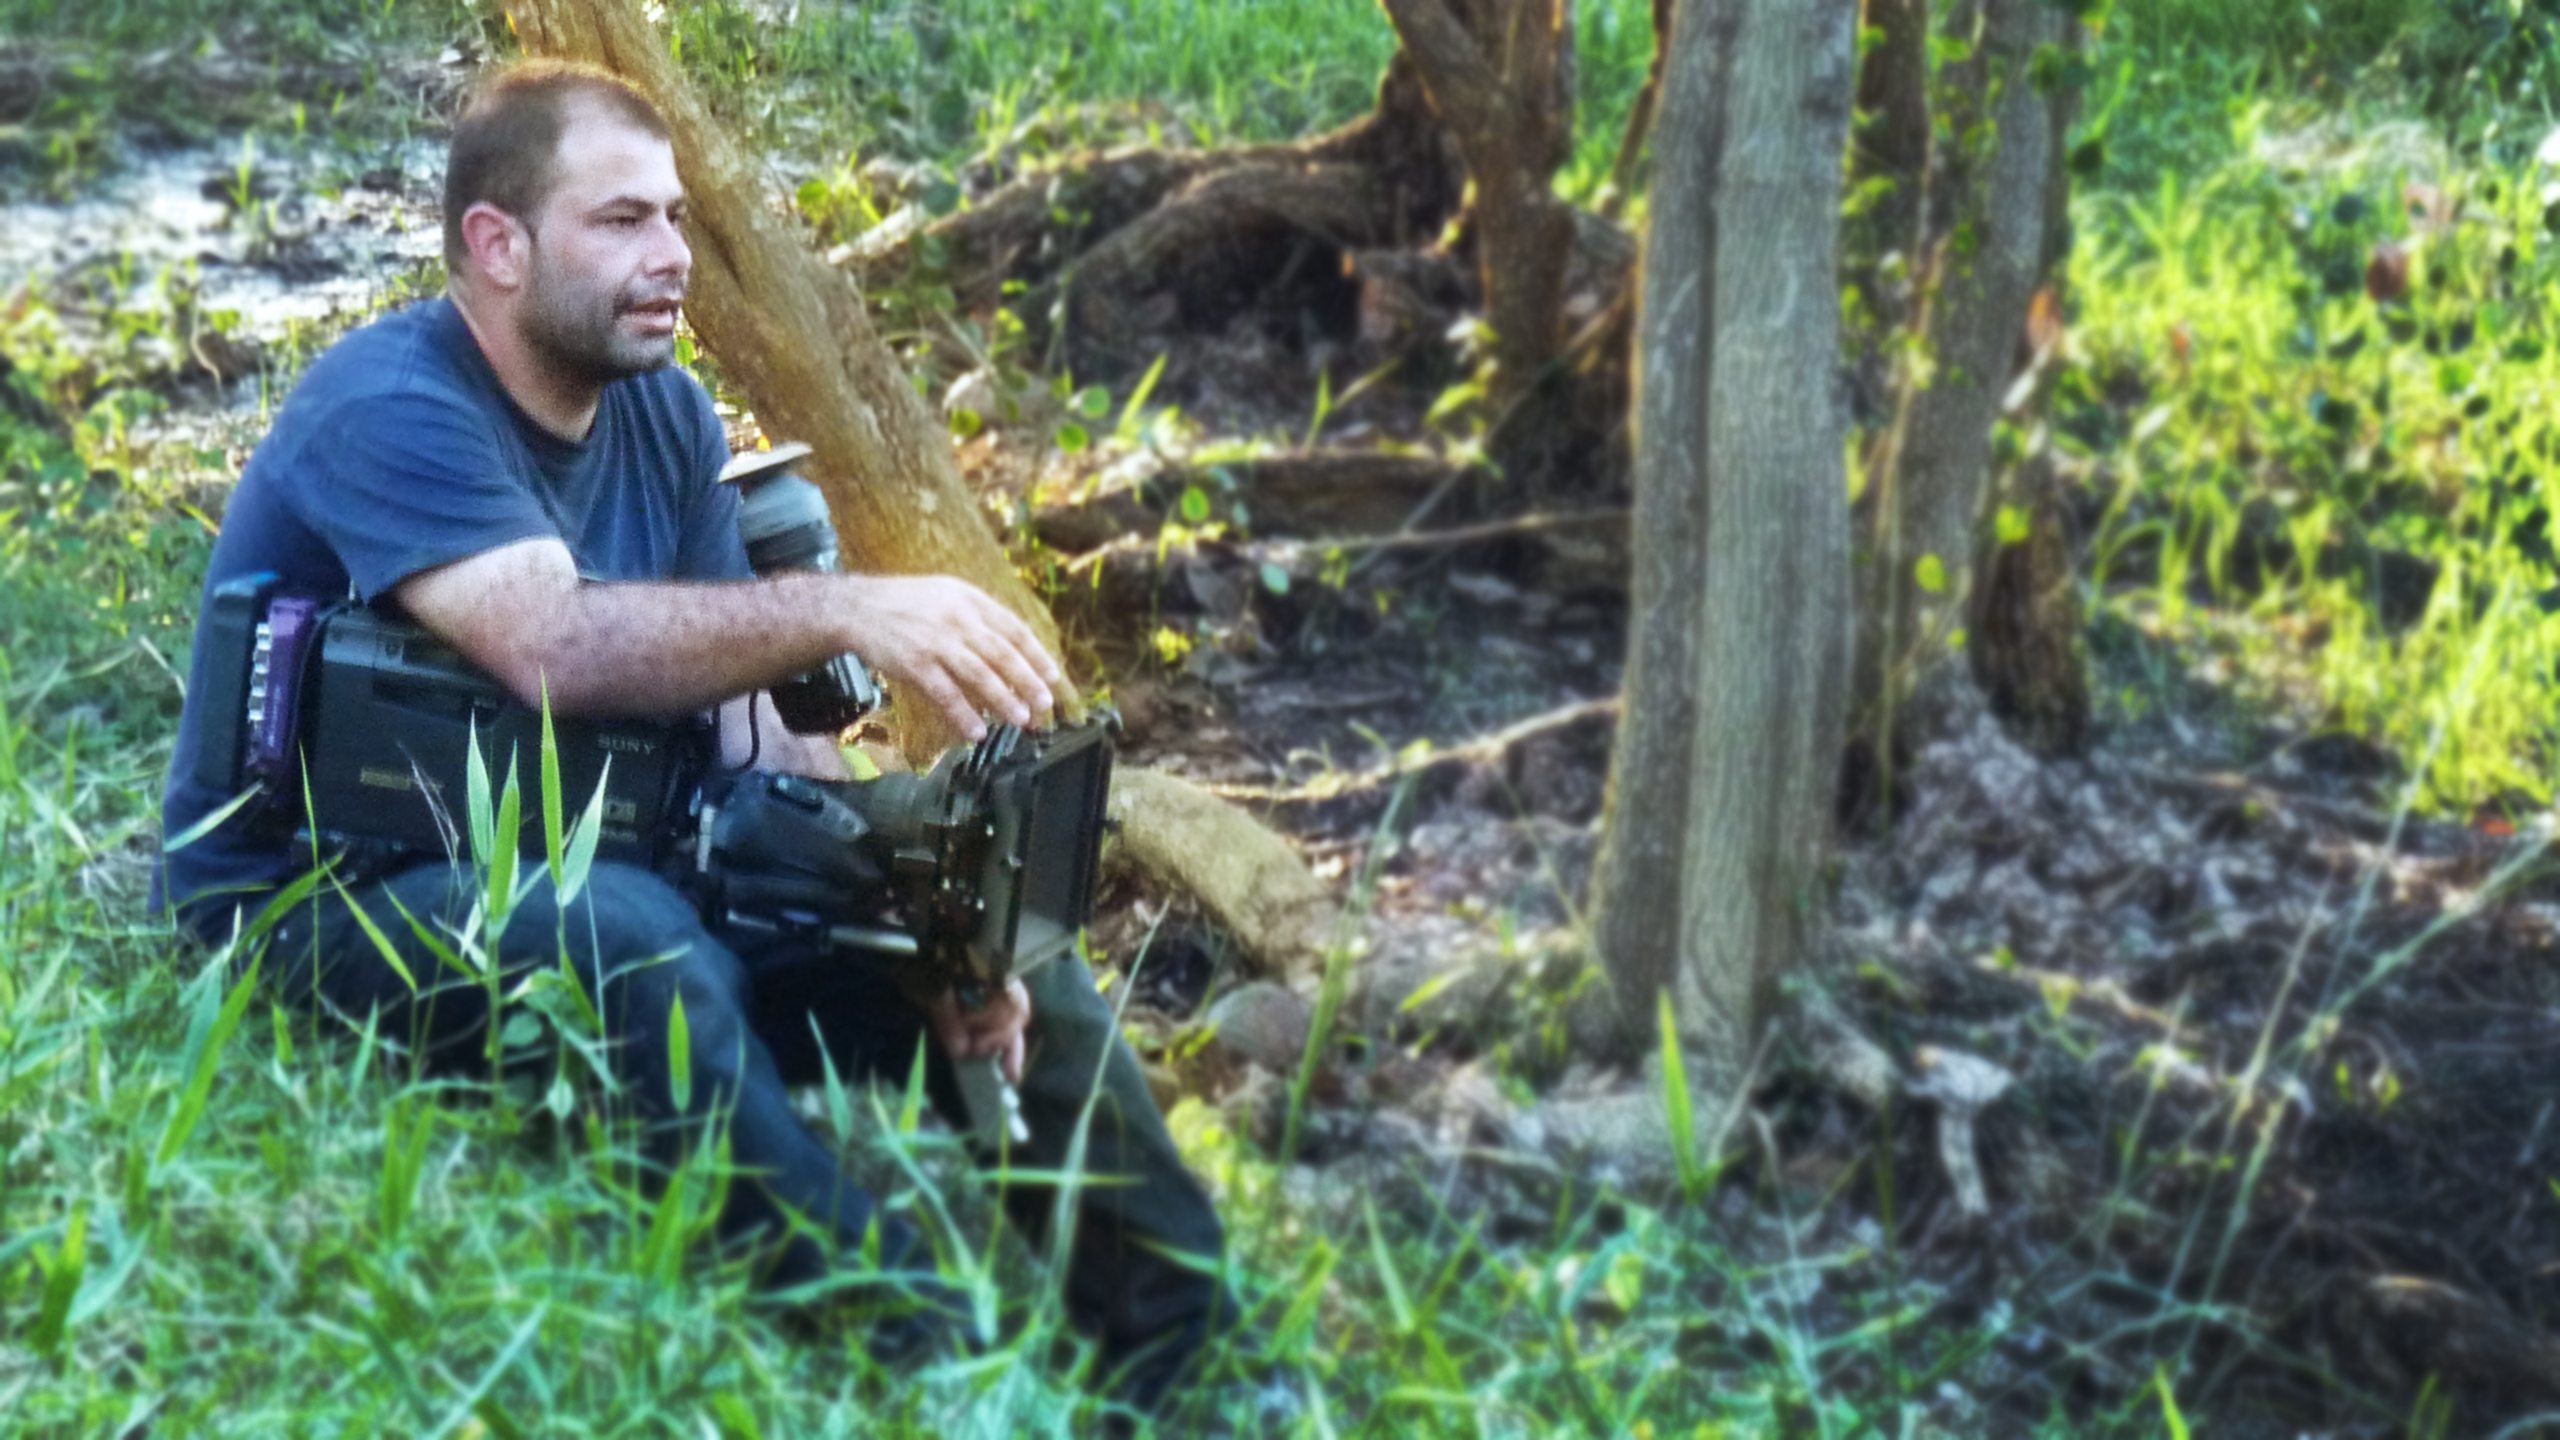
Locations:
{"points": [[1357, 796]]}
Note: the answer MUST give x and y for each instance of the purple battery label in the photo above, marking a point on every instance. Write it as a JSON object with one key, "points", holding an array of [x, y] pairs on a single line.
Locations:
{"points": [[275, 684]]}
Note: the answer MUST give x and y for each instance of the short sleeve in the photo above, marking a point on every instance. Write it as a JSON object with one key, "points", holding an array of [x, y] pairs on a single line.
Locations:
{"points": [[403, 483], [709, 546]]}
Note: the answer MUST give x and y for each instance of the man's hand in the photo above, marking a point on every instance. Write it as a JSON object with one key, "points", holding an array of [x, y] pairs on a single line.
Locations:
{"points": [[994, 1028], [951, 644]]}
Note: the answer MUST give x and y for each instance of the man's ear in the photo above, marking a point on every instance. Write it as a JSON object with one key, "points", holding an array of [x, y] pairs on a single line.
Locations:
{"points": [[500, 245]]}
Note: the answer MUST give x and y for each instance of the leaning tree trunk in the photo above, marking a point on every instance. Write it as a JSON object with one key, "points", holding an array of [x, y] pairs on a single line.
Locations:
{"points": [[793, 332], [1721, 786], [1987, 217], [1499, 72]]}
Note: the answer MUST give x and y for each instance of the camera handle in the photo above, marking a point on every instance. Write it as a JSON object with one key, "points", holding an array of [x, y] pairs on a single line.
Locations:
{"points": [[995, 1107]]}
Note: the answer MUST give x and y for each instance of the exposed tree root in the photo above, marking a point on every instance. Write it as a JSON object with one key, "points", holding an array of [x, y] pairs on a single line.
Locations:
{"points": [[1245, 876]]}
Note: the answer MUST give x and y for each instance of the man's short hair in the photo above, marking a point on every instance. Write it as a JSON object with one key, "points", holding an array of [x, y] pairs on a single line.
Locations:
{"points": [[506, 146]]}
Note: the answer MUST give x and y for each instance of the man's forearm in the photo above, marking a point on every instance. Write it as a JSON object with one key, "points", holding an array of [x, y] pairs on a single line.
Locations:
{"points": [[642, 648], [636, 648]]}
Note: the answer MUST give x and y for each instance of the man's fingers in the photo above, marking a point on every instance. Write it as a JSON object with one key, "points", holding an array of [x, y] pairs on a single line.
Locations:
{"points": [[1023, 695], [1018, 637]]}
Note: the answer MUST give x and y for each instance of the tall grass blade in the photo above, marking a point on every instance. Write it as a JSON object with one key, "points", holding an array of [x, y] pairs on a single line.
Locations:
{"points": [[217, 1015], [554, 822], [479, 807], [1678, 1105], [2171, 1418], [679, 1056], [62, 1274], [212, 821]]}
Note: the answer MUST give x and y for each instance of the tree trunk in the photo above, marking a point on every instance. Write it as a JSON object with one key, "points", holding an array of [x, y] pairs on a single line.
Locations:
{"points": [[1499, 72], [794, 335], [1987, 218], [2026, 611], [1721, 786]]}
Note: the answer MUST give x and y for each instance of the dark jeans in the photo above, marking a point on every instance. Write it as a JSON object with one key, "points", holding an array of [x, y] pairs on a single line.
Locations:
{"points": [[1145, 1241]]}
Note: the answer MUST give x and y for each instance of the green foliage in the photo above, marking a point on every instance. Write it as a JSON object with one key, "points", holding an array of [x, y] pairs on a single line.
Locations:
{"points": [[2363, 485], [930, 80], [2280, 33]]}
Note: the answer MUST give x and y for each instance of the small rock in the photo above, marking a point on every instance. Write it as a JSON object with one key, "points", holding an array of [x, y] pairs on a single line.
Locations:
{"points": [[1261, 1024]]}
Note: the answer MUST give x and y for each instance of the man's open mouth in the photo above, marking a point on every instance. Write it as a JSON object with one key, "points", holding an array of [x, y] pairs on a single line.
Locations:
{"points": [[656, 315]]}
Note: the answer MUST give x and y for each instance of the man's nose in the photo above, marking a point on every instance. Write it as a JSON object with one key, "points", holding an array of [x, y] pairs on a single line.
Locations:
{"points": [[671, 255]]}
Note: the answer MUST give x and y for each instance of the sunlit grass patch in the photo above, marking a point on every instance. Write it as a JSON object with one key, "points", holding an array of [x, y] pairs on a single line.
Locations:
{"points": [[2315, 378]]}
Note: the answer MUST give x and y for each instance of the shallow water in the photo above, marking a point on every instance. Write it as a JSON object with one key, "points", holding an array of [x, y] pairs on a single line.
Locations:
{"points": [[296, 254]]}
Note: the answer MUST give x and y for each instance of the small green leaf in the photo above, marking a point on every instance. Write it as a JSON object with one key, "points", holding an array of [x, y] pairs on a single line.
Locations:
{"points": [[1195, 505], [1073, 438], [1093, 402], [2012, 525], [941, 198], [811, 194], [679, 1056], [966, 423], [522, 1031], [1931, 574], [1274, 579], [1624, 1282]]}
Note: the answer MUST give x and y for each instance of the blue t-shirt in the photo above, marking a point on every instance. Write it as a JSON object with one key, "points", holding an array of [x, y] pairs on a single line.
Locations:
{"points": [[399, 451]]}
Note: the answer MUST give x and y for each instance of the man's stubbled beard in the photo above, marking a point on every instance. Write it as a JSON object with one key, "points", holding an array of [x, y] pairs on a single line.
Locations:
{"points": [[577, 326]]}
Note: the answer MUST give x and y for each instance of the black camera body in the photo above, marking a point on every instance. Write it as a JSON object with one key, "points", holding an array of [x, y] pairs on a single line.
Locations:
{"points": [[356, 729]]}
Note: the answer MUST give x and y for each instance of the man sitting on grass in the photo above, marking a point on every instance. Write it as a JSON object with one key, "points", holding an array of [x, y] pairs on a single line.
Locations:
{"points": [[517, 467]]}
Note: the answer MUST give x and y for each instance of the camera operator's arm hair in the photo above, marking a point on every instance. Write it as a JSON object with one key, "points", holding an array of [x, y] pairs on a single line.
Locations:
{"points": [[649, 648]]}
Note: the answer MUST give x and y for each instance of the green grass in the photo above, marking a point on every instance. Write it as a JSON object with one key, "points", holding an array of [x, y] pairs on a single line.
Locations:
{"points": [[2282, 445]]}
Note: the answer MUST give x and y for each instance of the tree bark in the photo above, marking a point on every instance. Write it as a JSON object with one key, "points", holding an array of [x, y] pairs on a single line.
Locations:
{"points": [[1499, 72], [1722, 782], [1987, 217]]}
